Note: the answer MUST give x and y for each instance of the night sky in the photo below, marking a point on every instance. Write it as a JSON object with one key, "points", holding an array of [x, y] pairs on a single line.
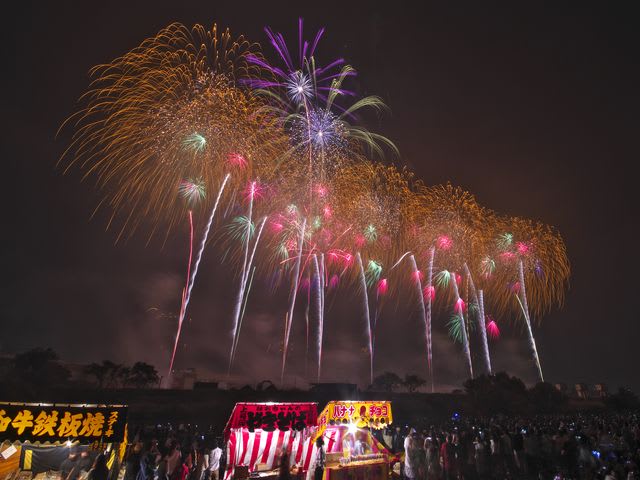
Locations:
{"points": [[532, 109]]}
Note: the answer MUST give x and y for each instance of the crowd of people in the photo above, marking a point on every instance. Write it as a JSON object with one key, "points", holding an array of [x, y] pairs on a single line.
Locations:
{"points": [[183, 454], [546, 447], [581, 447]]}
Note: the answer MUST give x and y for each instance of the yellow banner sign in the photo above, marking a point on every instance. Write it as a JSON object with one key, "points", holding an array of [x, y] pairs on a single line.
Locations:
{"points": [[61, 422], [372, 414]]}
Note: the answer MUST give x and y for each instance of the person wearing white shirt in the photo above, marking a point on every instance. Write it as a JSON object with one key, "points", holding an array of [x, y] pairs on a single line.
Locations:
{"points": [[213, 462]]}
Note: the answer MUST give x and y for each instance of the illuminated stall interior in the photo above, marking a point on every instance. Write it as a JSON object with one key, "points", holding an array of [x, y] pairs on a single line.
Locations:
{"points": [[346, 427], [36, 439]]}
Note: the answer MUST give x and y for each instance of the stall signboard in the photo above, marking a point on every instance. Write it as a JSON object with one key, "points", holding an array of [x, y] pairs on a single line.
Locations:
{"points": [[373, 414], [58, 423], [270, 417]]}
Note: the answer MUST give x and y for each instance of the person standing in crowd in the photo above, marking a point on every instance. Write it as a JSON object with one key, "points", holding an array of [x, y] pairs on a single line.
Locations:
{"points": [[148, 464], [410, 467], [174, 462], [320, 460], [387, 438], [432, 465], [480, 457], [283, 469], [99, 471], [213, 462], [397, 441], [133, 461], [517, 442], [447, 458]]}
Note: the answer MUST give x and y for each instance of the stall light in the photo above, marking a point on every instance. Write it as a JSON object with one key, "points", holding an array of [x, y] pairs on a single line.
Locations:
{"points": [[69, 443], [353, 428]]}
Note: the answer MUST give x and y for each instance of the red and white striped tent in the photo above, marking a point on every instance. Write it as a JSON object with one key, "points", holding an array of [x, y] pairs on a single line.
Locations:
{"points": [[258, 433]]}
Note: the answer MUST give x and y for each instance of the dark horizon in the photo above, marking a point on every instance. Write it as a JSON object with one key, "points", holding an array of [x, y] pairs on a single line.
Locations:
{"points": [[529, 108]]}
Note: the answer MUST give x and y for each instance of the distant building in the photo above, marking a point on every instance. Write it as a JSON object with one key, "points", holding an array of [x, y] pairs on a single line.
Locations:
{"points": [[582, 390], [183, 379], [561, 387], [600, 390]]}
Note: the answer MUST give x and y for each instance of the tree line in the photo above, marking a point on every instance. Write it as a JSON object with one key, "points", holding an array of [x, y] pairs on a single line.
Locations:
{"points": [[38, 370]]}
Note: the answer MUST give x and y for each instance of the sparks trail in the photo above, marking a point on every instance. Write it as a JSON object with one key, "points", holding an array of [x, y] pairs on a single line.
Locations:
{"points": [[483, 330], [365, 304], [294, 291], [243, 296], [184, 293], [479, 302], [423, 313], [525, 310], [205, 236], [459, 310]]}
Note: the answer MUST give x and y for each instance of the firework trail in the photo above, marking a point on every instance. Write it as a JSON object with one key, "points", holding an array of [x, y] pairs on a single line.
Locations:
{"points": [[365, 303], [243, 273], [306, 319], [243, 295], [423, 312], [187, 297], [483, 330], [463, 330], [480, 319], [400, 260], [430, 291], [525, 310], [184, 292], [321, 323], [296, 281], [319, 272]]}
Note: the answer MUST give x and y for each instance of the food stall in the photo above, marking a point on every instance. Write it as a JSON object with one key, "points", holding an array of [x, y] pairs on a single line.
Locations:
{"points": [[259, 434], [38, 441], [353, 453]]}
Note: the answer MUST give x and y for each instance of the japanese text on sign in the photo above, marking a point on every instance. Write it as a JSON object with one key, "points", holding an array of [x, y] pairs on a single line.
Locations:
{"points": [[28, 422], [273, 416]]}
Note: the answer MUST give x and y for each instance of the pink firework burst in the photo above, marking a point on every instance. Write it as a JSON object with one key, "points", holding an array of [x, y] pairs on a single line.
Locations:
{"points": [[507, 256], [429, 293], [254, 190], [460, 306], [383, 285], [237, 160], [321, 191], [326, 211], [276, 227], [444, 242], [523, 248], [492, 329]]}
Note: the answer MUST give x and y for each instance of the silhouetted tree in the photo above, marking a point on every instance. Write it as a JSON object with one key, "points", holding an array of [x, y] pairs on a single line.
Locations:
{"points": [[107, 373], [143, 375], [31, 373], [497, 393], [624, 399], [413, 382], [98, 371], [40, 367], [546, 398], [388, 381]]}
